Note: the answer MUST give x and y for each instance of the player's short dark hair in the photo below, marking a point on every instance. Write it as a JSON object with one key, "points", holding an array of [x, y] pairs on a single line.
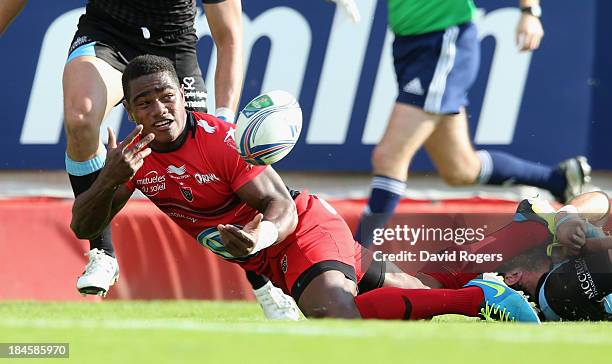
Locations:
{"points": [[146, 65], [528, 261]]}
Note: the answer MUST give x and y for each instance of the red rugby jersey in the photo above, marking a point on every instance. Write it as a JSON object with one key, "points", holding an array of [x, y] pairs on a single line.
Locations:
{"points": [[194, 185]]}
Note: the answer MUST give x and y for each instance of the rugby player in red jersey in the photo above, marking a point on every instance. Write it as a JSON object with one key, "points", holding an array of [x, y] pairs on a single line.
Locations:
{"points": [[109, 34], [186, 163]]}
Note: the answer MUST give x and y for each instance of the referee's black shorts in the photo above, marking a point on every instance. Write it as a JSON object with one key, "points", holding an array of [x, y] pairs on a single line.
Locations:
{"points": [[117, 44]]}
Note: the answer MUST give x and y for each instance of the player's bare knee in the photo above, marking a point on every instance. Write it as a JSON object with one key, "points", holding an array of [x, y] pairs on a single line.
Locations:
{"points": [[329, 295], [81, 125], [79, 121], [402, 280], [342, 307], [459, 176], [385, 159]]}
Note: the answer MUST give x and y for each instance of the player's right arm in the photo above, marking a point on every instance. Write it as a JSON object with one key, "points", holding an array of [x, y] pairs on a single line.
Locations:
{"points": [[94, 208], [9, 9]]}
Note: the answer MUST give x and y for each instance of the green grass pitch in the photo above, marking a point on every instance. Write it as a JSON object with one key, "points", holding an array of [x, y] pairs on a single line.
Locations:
{"points": [[113, 332]]}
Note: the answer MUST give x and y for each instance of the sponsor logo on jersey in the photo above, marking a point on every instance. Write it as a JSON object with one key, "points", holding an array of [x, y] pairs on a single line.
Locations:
{"points": [[206, 178], [585, 278], [230, 135], [172, 169], [188, 83], [207, 127], [181, 216], [177, 172], [186, 192], [152, 183], [284, 263]]}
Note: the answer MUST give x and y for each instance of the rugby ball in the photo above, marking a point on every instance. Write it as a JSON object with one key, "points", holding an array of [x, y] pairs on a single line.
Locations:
{"points": [[268, 127]]}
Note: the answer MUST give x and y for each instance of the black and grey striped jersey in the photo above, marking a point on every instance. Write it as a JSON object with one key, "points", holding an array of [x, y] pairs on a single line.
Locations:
{"points": [[164, 16]]}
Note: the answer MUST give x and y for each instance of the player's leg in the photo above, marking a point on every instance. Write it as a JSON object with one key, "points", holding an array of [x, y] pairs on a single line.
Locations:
{"points": [[451, 151], [380, 273], [332, 294], [329, 294], [422, 66], [408, 128], [276, 305], [450, 145], [486, 299], [91, 88], [565, 180]]}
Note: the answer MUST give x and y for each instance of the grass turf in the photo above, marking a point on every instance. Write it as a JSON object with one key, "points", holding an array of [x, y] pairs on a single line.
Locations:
{"points": [[235, 332]]}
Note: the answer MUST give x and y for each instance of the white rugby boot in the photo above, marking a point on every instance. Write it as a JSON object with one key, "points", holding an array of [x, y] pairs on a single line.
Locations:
{"points": [[577, 172], [275, 304], [101, 272]]}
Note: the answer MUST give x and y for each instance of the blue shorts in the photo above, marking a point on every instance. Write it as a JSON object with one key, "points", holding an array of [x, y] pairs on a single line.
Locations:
{"points": [[435, 70]]}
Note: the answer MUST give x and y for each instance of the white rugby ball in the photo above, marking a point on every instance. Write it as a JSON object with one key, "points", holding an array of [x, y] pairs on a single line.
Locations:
{"points": [[268, 127]]}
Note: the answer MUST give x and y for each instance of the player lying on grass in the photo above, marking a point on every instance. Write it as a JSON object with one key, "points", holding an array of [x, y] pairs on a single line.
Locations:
{"points": [[245, 213], [575, 283]]}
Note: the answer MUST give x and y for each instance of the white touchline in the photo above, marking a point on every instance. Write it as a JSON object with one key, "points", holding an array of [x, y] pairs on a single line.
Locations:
{"points": [[298, 329], [424, 331]]}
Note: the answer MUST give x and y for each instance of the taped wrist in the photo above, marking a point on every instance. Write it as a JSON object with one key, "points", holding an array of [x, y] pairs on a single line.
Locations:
{"points": [[268, 234], [225, 114], [571, 213]]}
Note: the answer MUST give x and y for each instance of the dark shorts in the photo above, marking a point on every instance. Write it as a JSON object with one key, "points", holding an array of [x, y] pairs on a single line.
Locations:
{"points": [[321, 242], [117, 44], [435, 70]]}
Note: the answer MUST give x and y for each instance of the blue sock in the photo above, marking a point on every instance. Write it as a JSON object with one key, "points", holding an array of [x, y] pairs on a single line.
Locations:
{"points": [[608, 303], [386, 194], [498, 168]]}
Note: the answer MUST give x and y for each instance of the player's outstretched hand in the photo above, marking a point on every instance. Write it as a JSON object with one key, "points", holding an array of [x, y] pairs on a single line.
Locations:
{"points": [[240, 243], [571, 234], [529, 33], [123, 160]]}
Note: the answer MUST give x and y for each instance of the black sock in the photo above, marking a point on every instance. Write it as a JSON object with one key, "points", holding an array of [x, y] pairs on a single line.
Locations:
{"points": [[79, 185], [257, 281]]}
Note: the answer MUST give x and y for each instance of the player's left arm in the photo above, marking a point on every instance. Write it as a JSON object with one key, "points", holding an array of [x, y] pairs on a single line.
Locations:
{"points": [[595, 245], [278, 219], [9, 9], [225, 22], [529, 31], [578, 224]]}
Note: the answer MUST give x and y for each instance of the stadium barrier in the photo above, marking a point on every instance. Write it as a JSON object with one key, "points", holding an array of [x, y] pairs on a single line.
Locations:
{"points": [[40, 258]]}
